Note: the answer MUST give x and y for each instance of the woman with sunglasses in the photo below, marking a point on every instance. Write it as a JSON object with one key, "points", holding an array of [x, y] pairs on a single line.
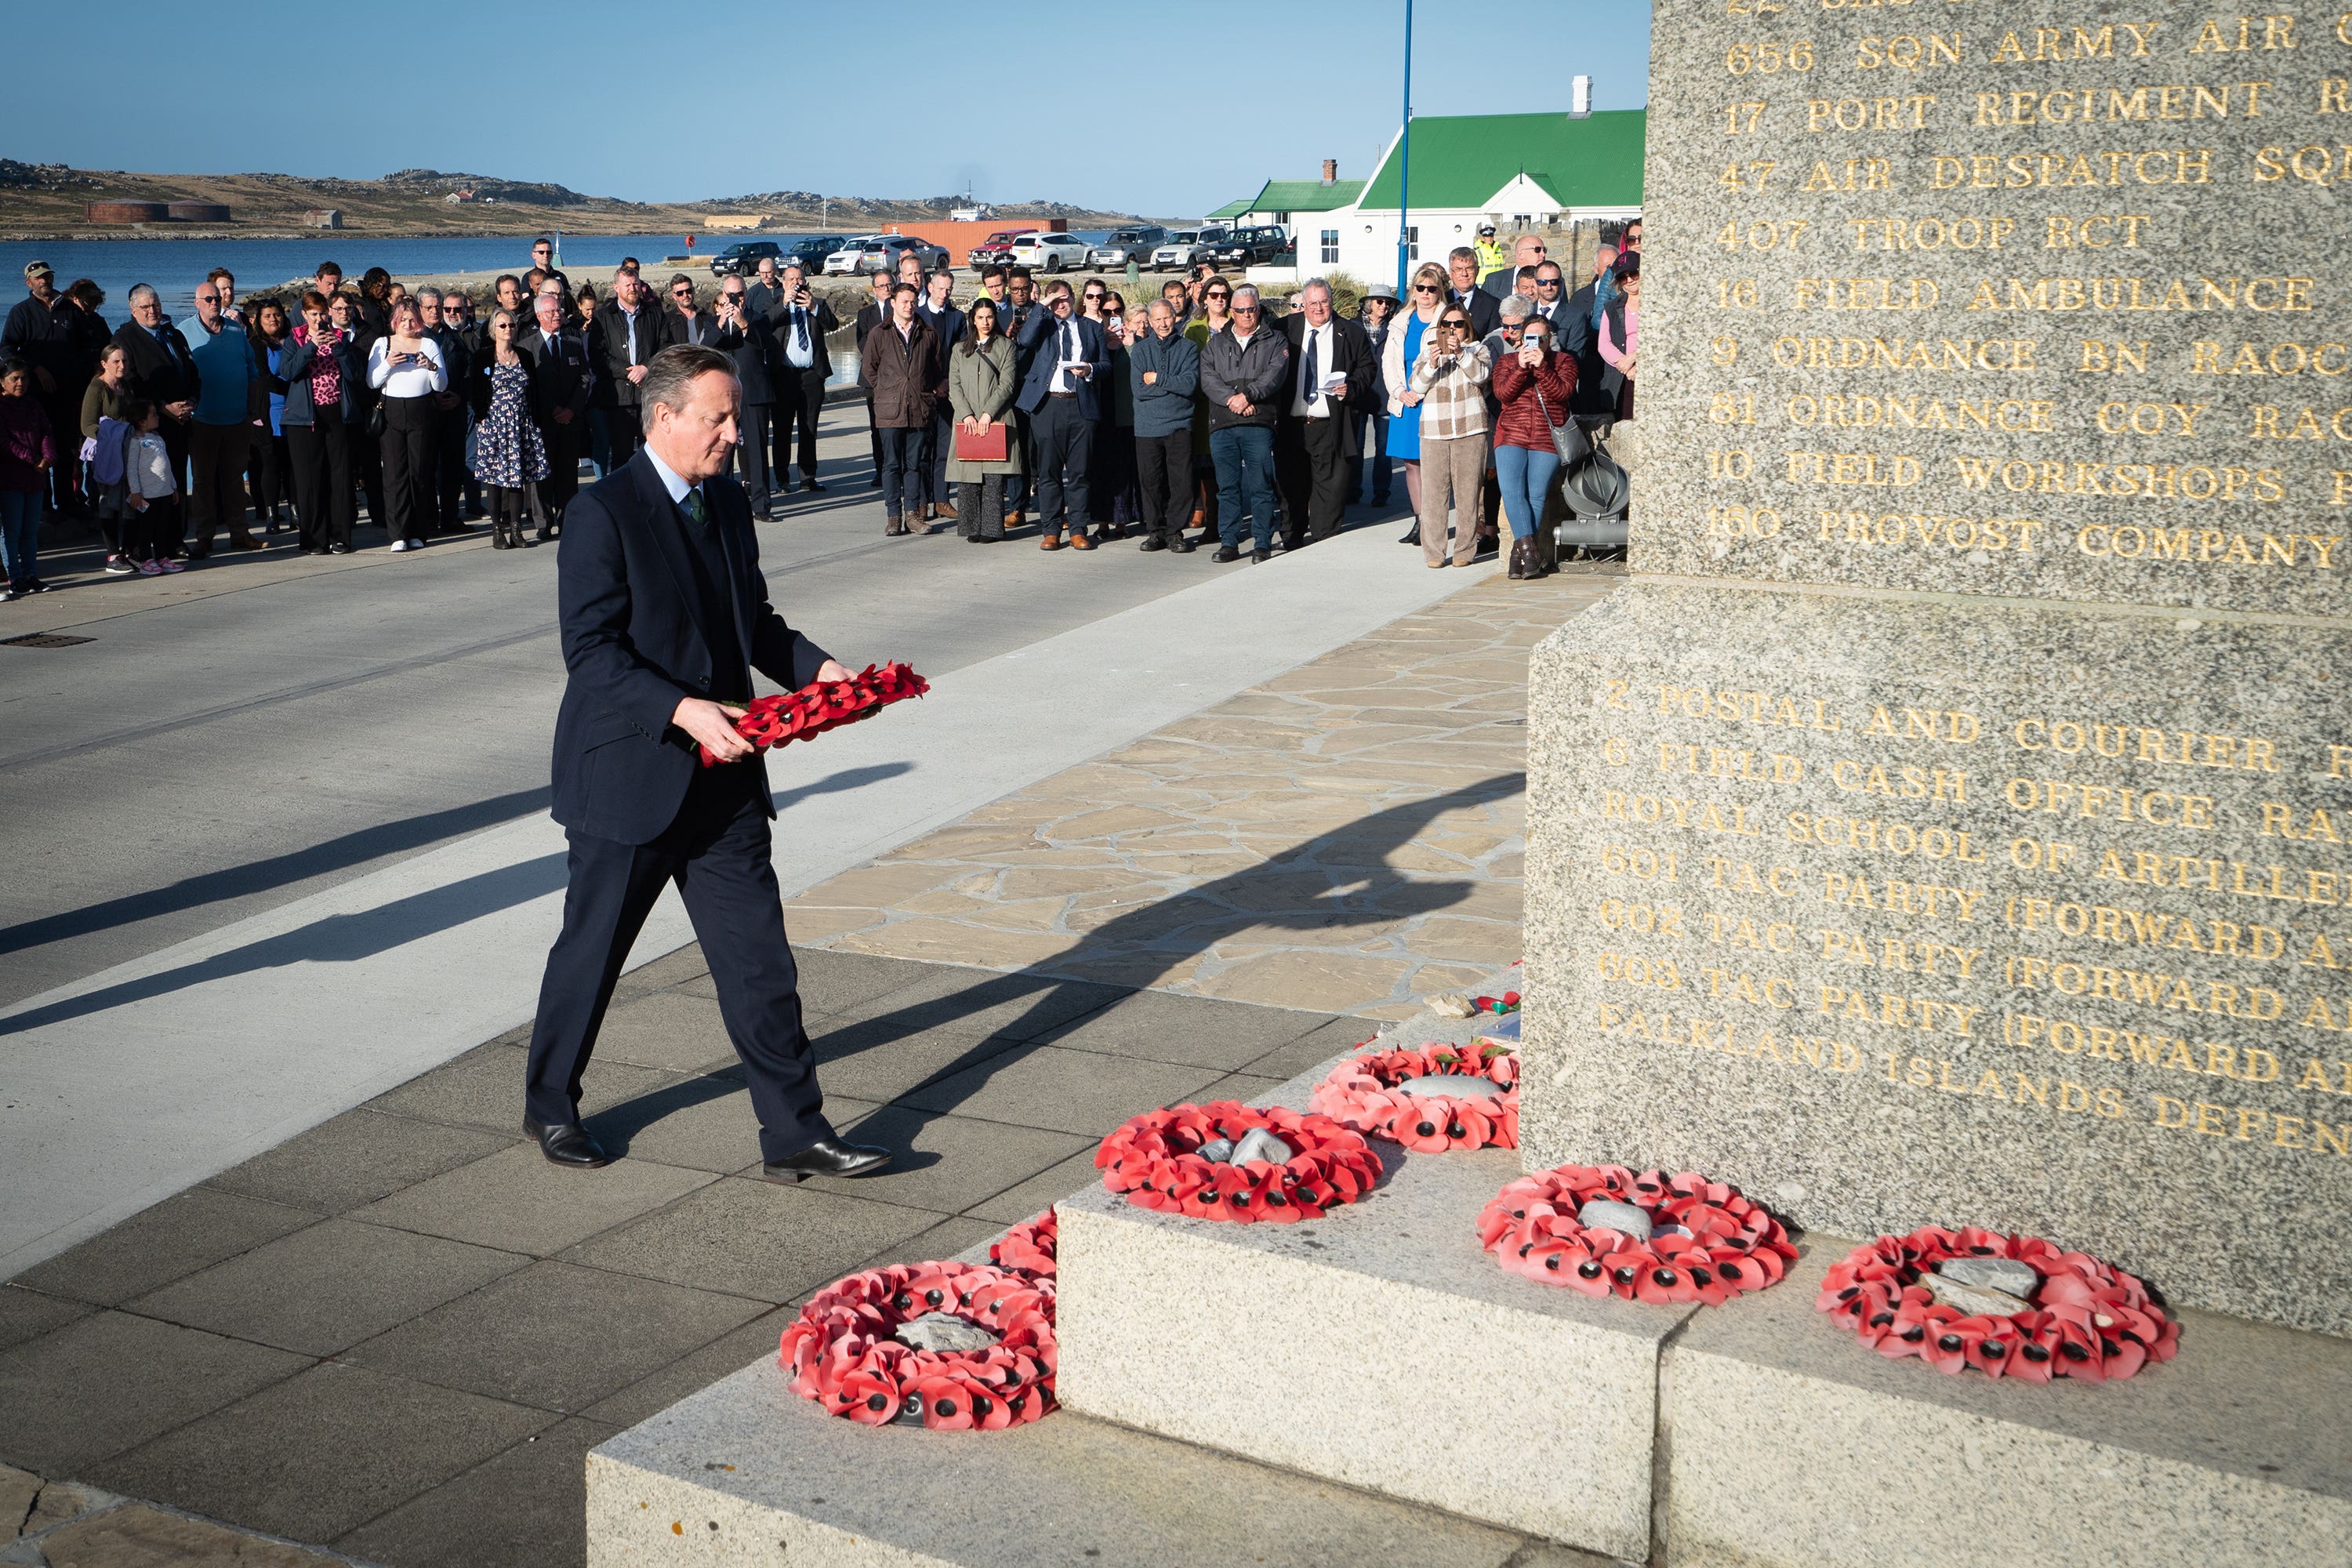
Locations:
{"points": [[1399, 356], [509, 454], [1446, 394]]}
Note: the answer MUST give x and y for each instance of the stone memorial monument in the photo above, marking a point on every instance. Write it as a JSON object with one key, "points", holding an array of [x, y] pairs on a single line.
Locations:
{"points": [[1949, 822]]}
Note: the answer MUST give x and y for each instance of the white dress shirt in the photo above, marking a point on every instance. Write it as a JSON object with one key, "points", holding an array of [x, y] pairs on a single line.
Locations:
{"points": [[1074, 348], [800, 336], [409, 381], [1309, 402]]}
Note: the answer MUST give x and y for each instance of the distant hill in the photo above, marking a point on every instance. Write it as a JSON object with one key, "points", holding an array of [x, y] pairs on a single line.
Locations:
{"points": [[48, 201]]}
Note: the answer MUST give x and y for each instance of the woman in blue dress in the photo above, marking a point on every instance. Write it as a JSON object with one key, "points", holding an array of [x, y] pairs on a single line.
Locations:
{"points": [[1397, 359]]}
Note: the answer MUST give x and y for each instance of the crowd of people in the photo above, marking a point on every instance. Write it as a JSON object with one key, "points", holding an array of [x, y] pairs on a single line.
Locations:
{"points": [[1094, 414]]}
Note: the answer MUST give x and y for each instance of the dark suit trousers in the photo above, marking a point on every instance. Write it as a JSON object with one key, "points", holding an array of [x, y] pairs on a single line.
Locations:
{"points": [[1163, 472], [320, 454], [449, 476], [797, 407], [623, 433], [217, 499], [717, 853], [752, 457], [563, 481], [1062, 438], [1310, 458]]}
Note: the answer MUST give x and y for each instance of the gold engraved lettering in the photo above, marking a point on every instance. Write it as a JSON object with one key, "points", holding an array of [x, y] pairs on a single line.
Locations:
{"points": [[2023, 171], [1749, 708], [2208, 546], [1865, 294], [1906, 52], [2086, 105], [1907, 353], [2139, 743], [2100, 357], [2064, 233], [1919, 531], [2167, 294], [2074, 43], [1935, 233], [2015, 415], [2146, 481], [2275, 31], [1934, 900], [2279, 359], [1908, 113], [1877, 836], [1853, 468]]}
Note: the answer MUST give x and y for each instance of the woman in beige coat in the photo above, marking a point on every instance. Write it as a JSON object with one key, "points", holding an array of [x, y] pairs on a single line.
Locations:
{"points": [[980, 387]]}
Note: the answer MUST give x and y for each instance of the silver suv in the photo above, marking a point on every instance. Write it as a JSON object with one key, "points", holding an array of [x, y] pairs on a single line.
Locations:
{"points": [[1127, 245], [1185, 246]]}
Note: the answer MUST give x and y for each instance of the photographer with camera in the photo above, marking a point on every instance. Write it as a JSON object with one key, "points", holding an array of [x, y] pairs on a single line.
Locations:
{"points": [[750, 339], [1448, 385], [803, 321]]}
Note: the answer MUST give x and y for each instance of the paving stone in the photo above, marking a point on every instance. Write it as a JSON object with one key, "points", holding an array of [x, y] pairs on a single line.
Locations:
{"points": [[841, 983], [97, 1386], [484, 1088], [177, 1237], [525, 1507], [1069, 1091], [62, 1501], [1157, 1026], [754, 1238], [879, 1059], [29, 1314], [138, 1536], [18, 1490], [1335, 982], [517, 1202], [956, 1237], [719, 1133], [1017, 1006], [674, 1031], [738, 1348], [355, 1159], [318, 1454], [946, 1164], [1314, 1048], [1042, 1191], [325, 1289], [554, 1336], [952, 941]]}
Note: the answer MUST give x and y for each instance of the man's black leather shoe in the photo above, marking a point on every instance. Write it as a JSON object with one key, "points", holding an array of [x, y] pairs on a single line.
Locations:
{"points": [[826, 1157], [1225, 553], [568, 1143], [1258, 557]]}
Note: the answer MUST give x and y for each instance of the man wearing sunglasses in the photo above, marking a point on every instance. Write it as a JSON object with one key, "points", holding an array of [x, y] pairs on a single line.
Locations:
{"points": [[687, 324], [1244, 372]]}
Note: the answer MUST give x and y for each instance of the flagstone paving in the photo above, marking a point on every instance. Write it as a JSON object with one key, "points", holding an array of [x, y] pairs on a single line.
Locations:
{"points": [[1348, 837]]}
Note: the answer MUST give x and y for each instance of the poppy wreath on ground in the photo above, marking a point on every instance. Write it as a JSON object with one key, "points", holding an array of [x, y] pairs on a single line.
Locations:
{"points": [[843, 1353], [822, 705], [1155, 1160], [1362, 1094], [1029, 1247], [2087, 1319], [1732, 1244]]}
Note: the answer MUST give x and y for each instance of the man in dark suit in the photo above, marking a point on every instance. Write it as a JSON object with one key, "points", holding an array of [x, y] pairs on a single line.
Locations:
{"points": [[629, 332], [685, 323], [162, 371], [664, 614], [1504, 281], [1061, 395], [560, 362], [1461, 268], [749, 338], [1576, 339], [870, 315], [1331, 374], [947, 324], [803, 367]]}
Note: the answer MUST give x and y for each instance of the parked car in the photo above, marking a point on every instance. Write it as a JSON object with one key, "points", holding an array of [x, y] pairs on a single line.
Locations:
{"points": [[810, 251], [1048, 252], [993, 252], [843, 263], [744, 259], [1127, 245], [1185, 246], [882, 253], [1248, 247]]}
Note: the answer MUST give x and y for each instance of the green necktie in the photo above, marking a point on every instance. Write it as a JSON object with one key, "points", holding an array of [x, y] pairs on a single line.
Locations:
{"points": [[698, 510]]}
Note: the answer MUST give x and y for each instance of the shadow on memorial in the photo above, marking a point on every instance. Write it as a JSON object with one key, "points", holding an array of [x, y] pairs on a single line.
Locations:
{"points": [[1035, 1006]]}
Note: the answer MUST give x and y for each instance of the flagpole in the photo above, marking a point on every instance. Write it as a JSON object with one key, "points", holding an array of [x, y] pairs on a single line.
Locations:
{"points": [[1404, 165]]}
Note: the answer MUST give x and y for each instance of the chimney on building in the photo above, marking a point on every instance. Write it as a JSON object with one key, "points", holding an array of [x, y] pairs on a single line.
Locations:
{"points": [[1580, 101], [1330, 171]]}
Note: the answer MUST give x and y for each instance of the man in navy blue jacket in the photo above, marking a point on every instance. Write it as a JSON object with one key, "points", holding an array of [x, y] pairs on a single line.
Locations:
{"points": [[1066, 354], [664, 616]]}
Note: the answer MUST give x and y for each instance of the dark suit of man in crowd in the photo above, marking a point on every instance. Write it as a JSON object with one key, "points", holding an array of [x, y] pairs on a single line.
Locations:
{"points": [[449, 413], [162, 371], [947, 324], [664, 616], [1315, 443], [870, 315], [630, 330], [561, 376], [1062, 395], [803, 367], [750, 339], [1484, 308], [1577, 340]]}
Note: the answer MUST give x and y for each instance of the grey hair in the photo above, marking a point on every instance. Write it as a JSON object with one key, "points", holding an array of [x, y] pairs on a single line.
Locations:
{"points": [[1248, 288], [670, 376], [456, 294], [146, 288], [1517, 307], [1315, 283]]}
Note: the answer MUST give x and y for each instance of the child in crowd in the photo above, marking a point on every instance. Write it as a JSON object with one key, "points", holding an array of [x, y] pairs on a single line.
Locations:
{"points": [[29, 449], [154, 495]]}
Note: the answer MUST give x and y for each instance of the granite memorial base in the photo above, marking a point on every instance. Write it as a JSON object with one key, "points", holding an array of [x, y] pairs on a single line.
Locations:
{"points": [[1787, 1445], [1902, 909]]}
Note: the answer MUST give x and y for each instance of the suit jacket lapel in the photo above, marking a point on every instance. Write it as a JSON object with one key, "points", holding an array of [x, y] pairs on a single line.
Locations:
{"points": [[730, 549], [662, 519]]}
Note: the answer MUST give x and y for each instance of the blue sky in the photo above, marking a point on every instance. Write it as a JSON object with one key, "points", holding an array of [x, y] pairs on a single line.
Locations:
{"points": [[1176, 108]]}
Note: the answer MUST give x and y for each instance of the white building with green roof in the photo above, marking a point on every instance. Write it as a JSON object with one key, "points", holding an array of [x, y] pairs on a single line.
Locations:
{"points": [[1509, 170], [1297, 207]]}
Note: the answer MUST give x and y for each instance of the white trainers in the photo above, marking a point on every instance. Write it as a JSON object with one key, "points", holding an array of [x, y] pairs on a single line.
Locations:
{"points": [[398, 545]]}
